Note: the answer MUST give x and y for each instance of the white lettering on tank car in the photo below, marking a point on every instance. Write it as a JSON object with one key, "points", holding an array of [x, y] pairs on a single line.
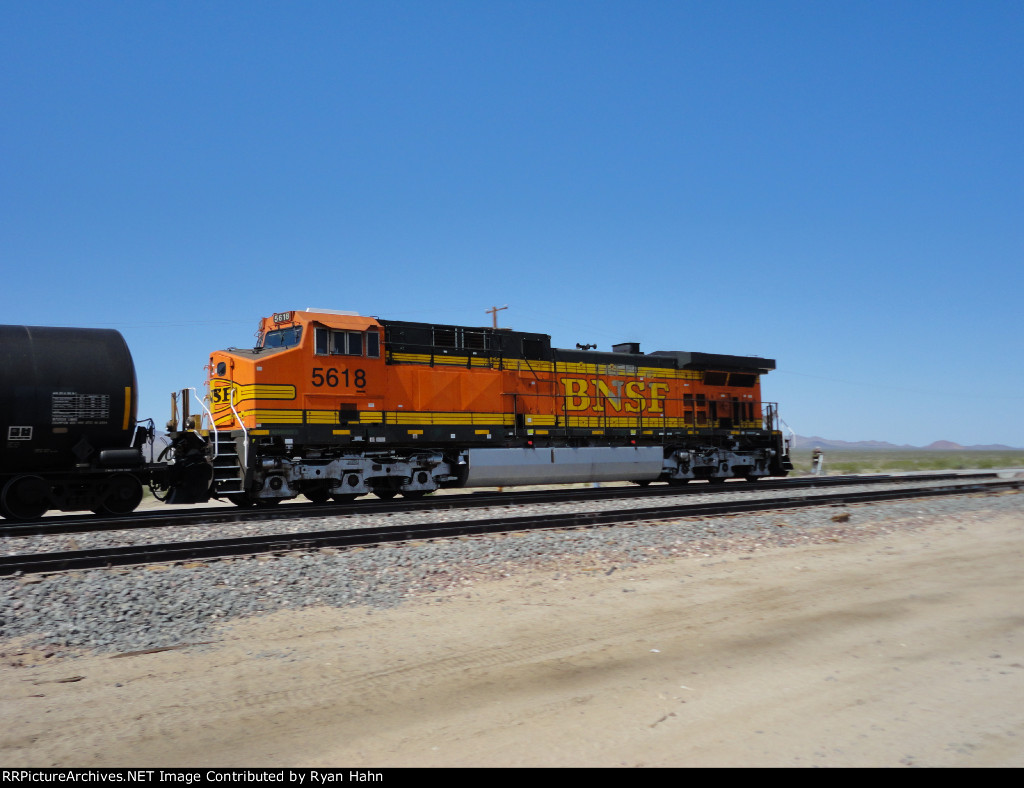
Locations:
{"points": [[71, 408]]}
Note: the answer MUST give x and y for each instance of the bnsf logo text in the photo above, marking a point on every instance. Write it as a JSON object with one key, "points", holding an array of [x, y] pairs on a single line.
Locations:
{"points": [[222, 396], [631, 396]]}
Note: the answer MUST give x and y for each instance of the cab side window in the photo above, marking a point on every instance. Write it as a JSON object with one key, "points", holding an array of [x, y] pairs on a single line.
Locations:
{"points": [[373, 343], [333, 342], [323, 341], [346, 343]]}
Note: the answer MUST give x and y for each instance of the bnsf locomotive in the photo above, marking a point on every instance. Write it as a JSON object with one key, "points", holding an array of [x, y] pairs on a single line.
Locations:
{"points": [[336, 405]]}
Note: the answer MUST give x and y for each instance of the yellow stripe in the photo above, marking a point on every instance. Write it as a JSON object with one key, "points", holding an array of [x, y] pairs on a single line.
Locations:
{"points": [[278, 416], [560, 367], [410, 358], [447, 419], [256, 390], [631, 422], [405, 418], [446, 359], [267, 391], [321, 417]]}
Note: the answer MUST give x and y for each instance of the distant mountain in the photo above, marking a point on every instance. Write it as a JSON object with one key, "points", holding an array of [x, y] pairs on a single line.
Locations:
{"points": [[802, 442]]}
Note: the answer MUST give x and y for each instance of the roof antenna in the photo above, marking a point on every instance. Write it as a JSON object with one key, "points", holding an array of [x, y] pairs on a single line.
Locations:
{"points": [[493, 312]]}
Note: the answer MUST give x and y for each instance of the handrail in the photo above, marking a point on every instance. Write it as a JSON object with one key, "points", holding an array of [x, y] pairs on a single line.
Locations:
{"points": [[213, 424], [238, 420]]}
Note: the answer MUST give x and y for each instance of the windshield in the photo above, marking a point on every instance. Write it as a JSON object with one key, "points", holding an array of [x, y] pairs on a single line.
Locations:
{"points": [[283, 337]]}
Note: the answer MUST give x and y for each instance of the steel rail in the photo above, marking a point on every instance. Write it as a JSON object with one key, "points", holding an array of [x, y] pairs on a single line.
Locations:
{"points": [[462, 500], [256, 545]]}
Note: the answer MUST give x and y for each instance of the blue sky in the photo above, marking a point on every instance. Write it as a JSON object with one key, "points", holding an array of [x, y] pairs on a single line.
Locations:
{"points": [[836, 185]]}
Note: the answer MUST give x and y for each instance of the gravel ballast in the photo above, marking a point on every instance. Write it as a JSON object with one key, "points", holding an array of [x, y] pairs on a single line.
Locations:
{"points": [[352, 518], [150, 607]]}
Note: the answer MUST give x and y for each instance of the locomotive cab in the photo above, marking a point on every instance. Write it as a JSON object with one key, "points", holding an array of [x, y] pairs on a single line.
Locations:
{"points": [[306, 390], [306, 369]]}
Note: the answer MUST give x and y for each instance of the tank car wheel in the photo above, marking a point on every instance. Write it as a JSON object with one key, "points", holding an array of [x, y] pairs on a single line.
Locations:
{"points": [[642, 482], [385, 495], [124, 494], [344, 498], [24, 498], [414, 495], [266, 503]]}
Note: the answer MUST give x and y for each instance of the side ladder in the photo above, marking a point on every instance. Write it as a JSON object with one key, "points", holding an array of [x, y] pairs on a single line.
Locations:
{"points": [[228, 473]]}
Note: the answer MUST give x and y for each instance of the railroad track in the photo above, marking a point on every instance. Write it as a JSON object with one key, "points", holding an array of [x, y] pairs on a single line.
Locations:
{"points": [[71, 524], [349, 538]]}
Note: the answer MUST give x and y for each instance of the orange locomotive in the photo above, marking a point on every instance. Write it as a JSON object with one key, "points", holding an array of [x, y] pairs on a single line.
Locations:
{"points": [[333, 404]]}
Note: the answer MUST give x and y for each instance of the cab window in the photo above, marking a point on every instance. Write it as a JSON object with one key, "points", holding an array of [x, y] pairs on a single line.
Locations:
{"points": [[334, 342], [283, 337], [346, 343], [373, 344]]}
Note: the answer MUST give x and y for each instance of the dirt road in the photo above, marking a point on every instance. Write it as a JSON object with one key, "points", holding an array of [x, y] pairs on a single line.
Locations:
{"points": [[896, 650]]}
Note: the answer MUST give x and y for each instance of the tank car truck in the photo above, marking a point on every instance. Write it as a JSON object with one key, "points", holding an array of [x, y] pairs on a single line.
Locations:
{"points": [[334, 405]]}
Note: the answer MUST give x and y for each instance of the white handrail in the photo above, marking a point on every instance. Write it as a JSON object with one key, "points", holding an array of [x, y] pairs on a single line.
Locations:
{"points": [[213, 425], [245, 432], [792, 435]]}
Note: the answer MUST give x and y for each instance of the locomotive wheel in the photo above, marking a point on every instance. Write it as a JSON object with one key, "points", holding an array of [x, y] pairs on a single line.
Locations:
{"points": [[344, 498], [24, 498], [243, 500], [385, 495], [317, 492], [124, 494]]}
